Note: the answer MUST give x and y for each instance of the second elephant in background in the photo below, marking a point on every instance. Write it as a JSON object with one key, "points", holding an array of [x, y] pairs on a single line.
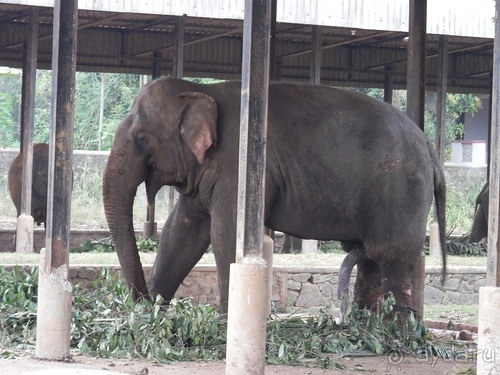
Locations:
{"points": [[39, 182], [479, 231]]}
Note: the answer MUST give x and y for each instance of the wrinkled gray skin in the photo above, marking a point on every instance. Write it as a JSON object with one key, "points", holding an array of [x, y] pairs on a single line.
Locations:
{"points": [[340, 166], [479, 230], [39, 182]]}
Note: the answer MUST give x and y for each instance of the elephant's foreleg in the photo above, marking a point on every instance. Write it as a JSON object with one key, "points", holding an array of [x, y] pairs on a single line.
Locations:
{"points": [[223, 237], [184, 239]]}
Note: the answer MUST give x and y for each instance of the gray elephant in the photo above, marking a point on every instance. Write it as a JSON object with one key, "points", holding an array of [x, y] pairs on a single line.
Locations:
{"points": [[479, 230], [39, 182], [340, 166]]}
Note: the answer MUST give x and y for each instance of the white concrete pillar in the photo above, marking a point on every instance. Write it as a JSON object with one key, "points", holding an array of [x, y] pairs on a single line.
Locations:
{"points": [[309, 246], [53, 311], [434, 245], [24, 234], [247, 313], [488, 343], [267, 253]]}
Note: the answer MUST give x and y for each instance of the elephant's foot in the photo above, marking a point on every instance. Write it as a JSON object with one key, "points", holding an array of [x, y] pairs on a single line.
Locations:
{"points": [[400, 284], [368, 287]]}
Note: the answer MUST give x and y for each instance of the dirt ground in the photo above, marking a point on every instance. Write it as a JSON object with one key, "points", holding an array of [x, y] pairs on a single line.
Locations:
{"points": [[369, 365]]}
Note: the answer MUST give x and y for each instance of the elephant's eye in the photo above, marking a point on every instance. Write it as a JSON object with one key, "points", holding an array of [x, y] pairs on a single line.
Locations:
{"points": [[142, 140]]}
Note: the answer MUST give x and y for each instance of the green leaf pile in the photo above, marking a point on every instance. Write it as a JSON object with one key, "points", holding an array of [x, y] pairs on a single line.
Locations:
{"points": [[107, 323]]}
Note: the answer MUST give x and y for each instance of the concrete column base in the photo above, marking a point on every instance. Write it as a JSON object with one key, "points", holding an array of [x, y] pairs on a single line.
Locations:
{"points": [[53, 312], [309, 246], [149, 229], [434, 245], [488, 342], [267, 253], [247, 312], [24, 234]]}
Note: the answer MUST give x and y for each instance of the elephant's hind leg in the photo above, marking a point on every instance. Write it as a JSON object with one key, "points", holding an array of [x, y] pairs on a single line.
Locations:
{"points": [[398, 278], [368, 286]]}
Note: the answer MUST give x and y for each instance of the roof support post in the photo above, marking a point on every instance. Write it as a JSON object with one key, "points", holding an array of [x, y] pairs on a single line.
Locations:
{"points": [[388, 84], [315, 75], [415, 88], [442, 86], [150, 227], [272, 48], [415, 85], [178, 72], [442, 83], [24, 226], [178, 50], [248, 284], [493, 269], [54, 292], [489, 296], [156, 73]]}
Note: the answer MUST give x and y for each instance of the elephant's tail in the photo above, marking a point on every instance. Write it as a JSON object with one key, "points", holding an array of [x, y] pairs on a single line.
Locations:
{"points": [[440, 205]]}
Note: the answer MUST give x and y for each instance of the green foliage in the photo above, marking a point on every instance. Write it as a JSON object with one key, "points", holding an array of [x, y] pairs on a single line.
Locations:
{"points": [[466, 249], [120, 91], [106, 245], [95, 246], [10, 100], [456, 106], [460, 206], [331, 247], [107, 323], [5, 118], [321, 339], [18, 293]]}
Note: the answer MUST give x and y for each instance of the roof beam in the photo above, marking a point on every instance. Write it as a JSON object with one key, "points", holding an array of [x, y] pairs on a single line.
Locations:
{"points": [[338, 44]]}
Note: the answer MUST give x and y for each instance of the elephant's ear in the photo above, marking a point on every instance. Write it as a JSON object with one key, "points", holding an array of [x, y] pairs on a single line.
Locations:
{"points": [[198, 122]]}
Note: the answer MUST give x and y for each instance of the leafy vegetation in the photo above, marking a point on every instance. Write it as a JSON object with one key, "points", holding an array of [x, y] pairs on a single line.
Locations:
{"points": [[106, 323], [456, 106], [119, 91], [105, 245]]}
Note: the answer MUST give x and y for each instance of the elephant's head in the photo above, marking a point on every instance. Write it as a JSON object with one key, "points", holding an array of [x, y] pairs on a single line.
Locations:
{"points": [[163, 141]]}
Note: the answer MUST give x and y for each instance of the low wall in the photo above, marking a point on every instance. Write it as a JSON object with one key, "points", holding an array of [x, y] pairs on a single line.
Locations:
{"points": [[309, 289], [76, 238]]}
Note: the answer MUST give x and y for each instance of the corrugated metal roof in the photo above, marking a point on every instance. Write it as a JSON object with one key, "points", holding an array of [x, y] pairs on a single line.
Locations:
{"points": [[447, 17], [369, 35]]}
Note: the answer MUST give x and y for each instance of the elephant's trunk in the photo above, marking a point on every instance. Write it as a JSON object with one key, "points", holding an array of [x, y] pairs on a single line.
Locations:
{"points": [[119, 189]]}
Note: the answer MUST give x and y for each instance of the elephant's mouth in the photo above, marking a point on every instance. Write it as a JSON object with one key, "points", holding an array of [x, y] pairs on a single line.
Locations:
{"points": [[154, 184]]}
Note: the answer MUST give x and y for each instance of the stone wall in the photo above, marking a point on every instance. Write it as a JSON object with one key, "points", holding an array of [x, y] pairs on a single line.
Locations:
{"points": [[460, 177], [309, 289]]}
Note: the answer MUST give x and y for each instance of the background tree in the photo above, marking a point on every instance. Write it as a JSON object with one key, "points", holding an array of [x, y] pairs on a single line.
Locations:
{"points": [[10, 98]]}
